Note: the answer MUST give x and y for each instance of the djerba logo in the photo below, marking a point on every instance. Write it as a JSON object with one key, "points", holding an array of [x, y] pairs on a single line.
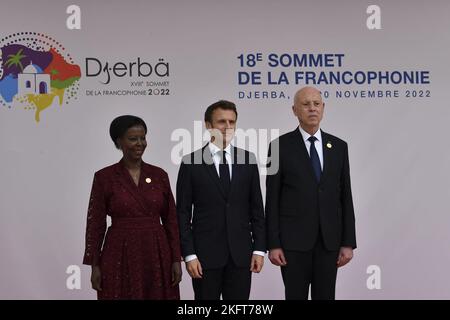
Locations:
{"points": [[36, 73]]}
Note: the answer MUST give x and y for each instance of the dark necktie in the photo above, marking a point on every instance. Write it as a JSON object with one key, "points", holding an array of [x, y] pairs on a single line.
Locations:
{"points": [[315, 161], [224, 172]]}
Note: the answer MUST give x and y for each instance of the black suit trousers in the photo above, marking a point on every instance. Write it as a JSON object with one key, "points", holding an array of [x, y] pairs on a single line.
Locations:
{"points": [[316, 268], [230, 281]]}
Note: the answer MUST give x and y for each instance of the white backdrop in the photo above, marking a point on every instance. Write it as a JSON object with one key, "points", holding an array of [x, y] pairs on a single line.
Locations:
{"points": [[399, 155]]}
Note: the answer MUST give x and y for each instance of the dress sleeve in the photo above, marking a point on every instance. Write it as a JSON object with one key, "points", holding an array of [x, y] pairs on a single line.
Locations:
{"points": [[170, 223], [96, 223]]}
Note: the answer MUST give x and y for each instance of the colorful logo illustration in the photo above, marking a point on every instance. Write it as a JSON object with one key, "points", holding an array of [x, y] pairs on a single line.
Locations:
{"points": [[36, 73]]}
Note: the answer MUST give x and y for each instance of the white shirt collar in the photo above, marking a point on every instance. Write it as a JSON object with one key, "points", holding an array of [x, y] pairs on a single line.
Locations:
{"points": [[214, 149], [306, 135]]}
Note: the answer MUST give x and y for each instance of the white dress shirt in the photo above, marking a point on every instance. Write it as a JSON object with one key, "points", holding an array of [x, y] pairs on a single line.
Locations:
{"points": [[317, 144], [215, 155]]}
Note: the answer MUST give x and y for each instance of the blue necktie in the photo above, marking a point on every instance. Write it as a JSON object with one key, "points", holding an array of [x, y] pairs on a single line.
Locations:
{"points": [[315, 161]]}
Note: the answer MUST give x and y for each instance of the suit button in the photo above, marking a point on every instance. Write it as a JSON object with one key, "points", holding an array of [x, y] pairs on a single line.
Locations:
{"points": [[228, 205], [320, 189]]}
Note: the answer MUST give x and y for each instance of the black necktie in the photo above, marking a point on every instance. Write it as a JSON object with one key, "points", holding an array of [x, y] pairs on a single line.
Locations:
{"points": [[315, 161], [224, 172]]}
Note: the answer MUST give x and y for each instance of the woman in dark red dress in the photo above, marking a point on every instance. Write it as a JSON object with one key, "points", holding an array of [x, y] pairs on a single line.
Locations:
{"points": [[140, 256]]}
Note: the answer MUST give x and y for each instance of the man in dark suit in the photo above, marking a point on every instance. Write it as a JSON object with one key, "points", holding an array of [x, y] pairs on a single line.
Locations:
{"points": [[220, 212], [310, 221]]}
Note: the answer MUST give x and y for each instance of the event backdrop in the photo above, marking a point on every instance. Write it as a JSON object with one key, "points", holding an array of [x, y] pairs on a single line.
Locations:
{"points": [[69, 67]]}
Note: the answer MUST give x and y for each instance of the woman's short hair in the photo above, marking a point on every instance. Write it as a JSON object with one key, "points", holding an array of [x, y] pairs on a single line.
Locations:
{"points": [[121, 124]]}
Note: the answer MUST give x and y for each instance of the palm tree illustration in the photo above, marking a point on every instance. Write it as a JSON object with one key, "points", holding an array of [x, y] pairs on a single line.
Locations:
{"points": [[15, 59]]}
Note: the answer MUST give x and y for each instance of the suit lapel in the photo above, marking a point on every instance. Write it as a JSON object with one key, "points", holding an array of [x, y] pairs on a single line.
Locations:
{"points": [[327, 148], [211, 168], [238, 158]]}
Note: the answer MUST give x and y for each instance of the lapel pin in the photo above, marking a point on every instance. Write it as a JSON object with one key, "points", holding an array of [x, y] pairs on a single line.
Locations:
{"points": [[329, 145], [148, 180]]}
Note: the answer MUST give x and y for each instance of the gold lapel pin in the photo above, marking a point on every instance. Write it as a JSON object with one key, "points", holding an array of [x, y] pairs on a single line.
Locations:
{"points": [[148, 180], [329, 145]]}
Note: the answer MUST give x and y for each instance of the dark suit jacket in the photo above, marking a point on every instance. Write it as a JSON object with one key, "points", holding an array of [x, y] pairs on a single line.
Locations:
{"points": [[296, 204], [214, 225]]}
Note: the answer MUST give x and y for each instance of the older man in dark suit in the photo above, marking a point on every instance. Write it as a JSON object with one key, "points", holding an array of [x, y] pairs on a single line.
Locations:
{"points": [[309, 208]]}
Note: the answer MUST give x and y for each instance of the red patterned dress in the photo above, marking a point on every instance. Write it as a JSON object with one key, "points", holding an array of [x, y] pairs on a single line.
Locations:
{"points": [[142, 242]]}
